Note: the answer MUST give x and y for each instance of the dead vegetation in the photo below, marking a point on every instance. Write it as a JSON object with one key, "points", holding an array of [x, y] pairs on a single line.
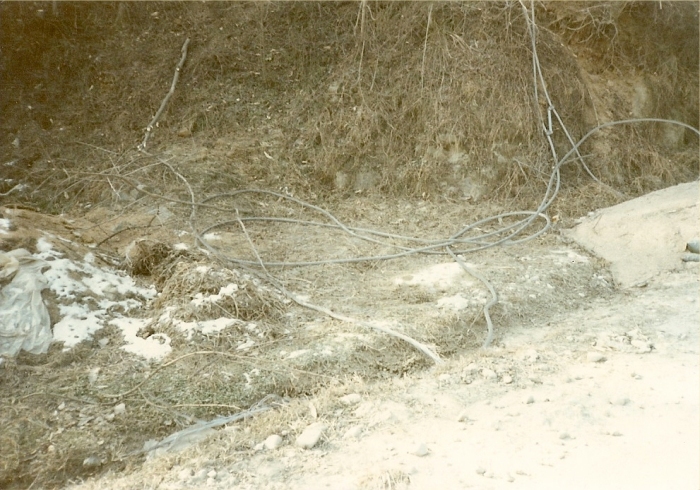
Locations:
{"points": [[324, 101]]}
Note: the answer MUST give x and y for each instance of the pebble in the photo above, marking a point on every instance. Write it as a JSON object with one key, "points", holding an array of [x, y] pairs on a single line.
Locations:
{"points": [[353, 432], [507, 379], [185, 474], [564, 436], [200, 476], [91, 462], [620, 401], [595, 357], [421, 450], [272, 442], [616, 434], [530, 399], [489, 373], [310, 436], [211, 474], [351, 399], [463, 416], [119, 409], [93, 374], [480, 470]]}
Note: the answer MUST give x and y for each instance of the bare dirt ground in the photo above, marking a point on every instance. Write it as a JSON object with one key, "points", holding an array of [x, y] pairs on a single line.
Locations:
{"points": [[596, 392]]}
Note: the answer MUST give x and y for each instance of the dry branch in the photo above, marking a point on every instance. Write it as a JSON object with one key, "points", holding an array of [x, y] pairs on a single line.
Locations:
{"points": [[170, 93]]}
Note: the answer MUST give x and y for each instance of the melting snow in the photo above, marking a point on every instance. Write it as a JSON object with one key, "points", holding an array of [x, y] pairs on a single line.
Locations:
{"points": [[95, 295]]}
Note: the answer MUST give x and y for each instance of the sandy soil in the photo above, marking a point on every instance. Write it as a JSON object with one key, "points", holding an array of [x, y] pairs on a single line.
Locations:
{"points": [[602, 395]]}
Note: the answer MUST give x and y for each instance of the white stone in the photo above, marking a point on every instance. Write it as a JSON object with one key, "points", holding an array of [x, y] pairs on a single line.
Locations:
{"points": [[185, 474], [272, 442], [353, 432], [489, 373], [463, 416], [351, 399], [119, 409], [310, 436], [421, 450], [507, 379]]}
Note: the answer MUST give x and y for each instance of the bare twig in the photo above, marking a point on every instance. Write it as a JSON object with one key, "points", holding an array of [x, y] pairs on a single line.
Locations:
{"points": [[425, 45], [170, 93]]}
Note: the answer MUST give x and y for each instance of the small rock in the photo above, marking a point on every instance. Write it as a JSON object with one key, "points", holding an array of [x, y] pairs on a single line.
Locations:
{"points": [[489, 373], [463, 416], [93, 374], [620, 401], [564, 436], [507, 379], [119, 409], [62, 406], [310, 436], [616, 434], [421, 450], [272, 442], [200, 476], [595, 357], [259, 447], [351, 399], [91, 462], [185, 474], [444, 378], [353, 432], [103, 342], [480, 470], [530, 399], [211, 474]]}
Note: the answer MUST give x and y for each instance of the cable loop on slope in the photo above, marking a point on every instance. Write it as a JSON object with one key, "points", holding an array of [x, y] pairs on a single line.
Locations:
{"points": [[511, 234]]}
